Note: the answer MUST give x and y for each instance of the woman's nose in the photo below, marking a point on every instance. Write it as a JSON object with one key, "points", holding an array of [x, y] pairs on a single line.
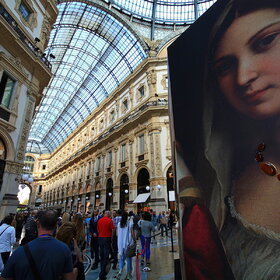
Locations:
{"points": [[247, 72]]}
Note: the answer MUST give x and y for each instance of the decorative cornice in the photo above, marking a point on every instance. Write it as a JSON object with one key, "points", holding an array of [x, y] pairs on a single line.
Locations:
{"points": [[141, 163], [123, 169]]}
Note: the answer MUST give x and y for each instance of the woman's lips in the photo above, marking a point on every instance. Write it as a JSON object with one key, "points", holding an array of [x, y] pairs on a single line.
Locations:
{"points": [[255, 95]]}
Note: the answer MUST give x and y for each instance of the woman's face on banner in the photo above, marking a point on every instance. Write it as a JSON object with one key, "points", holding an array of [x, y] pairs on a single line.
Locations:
{"points": [[247, 64]]}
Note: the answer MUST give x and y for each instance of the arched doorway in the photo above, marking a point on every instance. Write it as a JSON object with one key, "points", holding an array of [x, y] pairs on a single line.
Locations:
{"points": [[97, 195], [3, 153], [109, 194], [143, 186], [170, 188], [124, 191]]}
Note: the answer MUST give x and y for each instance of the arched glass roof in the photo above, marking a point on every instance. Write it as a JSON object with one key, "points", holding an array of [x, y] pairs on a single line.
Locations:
{"points": [[164, 11], [92, 54]]}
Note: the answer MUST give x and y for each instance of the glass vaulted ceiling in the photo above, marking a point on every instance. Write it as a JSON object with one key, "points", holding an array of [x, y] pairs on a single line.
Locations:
{"points": [[93, 54], [164, 11]]}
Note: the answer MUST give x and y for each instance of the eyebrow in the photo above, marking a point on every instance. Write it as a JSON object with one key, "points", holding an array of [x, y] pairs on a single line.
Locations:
{"points": [[260, 31], [215, 62]]}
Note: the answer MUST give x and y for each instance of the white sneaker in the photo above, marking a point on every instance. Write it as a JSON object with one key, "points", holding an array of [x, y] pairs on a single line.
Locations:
{"points": [[146, 269]]}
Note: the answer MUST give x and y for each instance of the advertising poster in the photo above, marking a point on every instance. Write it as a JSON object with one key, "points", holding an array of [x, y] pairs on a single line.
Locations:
{"points": [[224, 74]]}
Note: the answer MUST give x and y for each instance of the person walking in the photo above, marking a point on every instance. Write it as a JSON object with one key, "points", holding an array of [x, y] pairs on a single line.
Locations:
{"points": [[163, 223], [51, 258], [154, 221], [94, 243], [19, 224], [7, 238], [30, 228], [105, 229], [81, 235], [116, 220], [125, 238], [146, 231], [87, 223]]}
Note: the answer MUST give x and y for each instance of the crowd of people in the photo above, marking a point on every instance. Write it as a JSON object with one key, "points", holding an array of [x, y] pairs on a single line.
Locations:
{"points": [[113, 236], [110, 236]]}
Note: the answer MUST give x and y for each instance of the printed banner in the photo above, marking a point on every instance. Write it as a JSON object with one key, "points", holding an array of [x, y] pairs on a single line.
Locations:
{"points": [[224, 77]]}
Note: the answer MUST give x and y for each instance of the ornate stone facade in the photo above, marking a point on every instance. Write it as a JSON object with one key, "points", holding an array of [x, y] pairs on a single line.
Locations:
{"points": [[28, 76], [86, 163]]}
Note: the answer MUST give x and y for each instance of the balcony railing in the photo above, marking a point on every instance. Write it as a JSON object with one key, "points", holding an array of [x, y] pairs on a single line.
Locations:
{"points": [[9, 19], [131, 117]]}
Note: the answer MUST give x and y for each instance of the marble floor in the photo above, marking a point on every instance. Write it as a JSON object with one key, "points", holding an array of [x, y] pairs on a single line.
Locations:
{"points": [[162, 262]]}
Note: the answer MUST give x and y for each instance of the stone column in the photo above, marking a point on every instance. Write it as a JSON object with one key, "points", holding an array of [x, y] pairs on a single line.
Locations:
{"points": [[116, 198], [10, 189], [158, 201], [83, 202], [102, 199], [132, 196]]}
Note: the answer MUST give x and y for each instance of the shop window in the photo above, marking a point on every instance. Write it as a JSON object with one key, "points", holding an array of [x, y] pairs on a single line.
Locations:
{"points": [[6, 90]]}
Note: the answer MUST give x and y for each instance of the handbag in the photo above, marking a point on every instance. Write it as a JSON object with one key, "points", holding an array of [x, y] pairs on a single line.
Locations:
{"points": [[131, 249]]}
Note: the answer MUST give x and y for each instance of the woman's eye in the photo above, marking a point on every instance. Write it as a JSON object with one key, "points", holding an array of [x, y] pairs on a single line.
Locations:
{"points": [[265, 42], [224, 66]]}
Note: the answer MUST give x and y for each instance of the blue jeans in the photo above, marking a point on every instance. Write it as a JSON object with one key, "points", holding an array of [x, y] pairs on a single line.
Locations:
{"points": [[123, 257], [146, 242], [163, 226]]}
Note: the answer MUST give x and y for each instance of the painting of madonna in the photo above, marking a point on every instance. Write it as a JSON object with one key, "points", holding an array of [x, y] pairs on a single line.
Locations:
{"points": [[225, 110]]}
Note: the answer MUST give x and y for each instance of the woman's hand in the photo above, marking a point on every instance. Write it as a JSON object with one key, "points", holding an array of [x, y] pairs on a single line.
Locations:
{"points": [[77, 251]]}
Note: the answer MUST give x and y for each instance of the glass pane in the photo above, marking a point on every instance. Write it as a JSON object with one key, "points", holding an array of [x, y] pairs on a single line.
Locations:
{"points": [[8, 92], [123, 152], [141, 145], [24, 11], [94, 53]]}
